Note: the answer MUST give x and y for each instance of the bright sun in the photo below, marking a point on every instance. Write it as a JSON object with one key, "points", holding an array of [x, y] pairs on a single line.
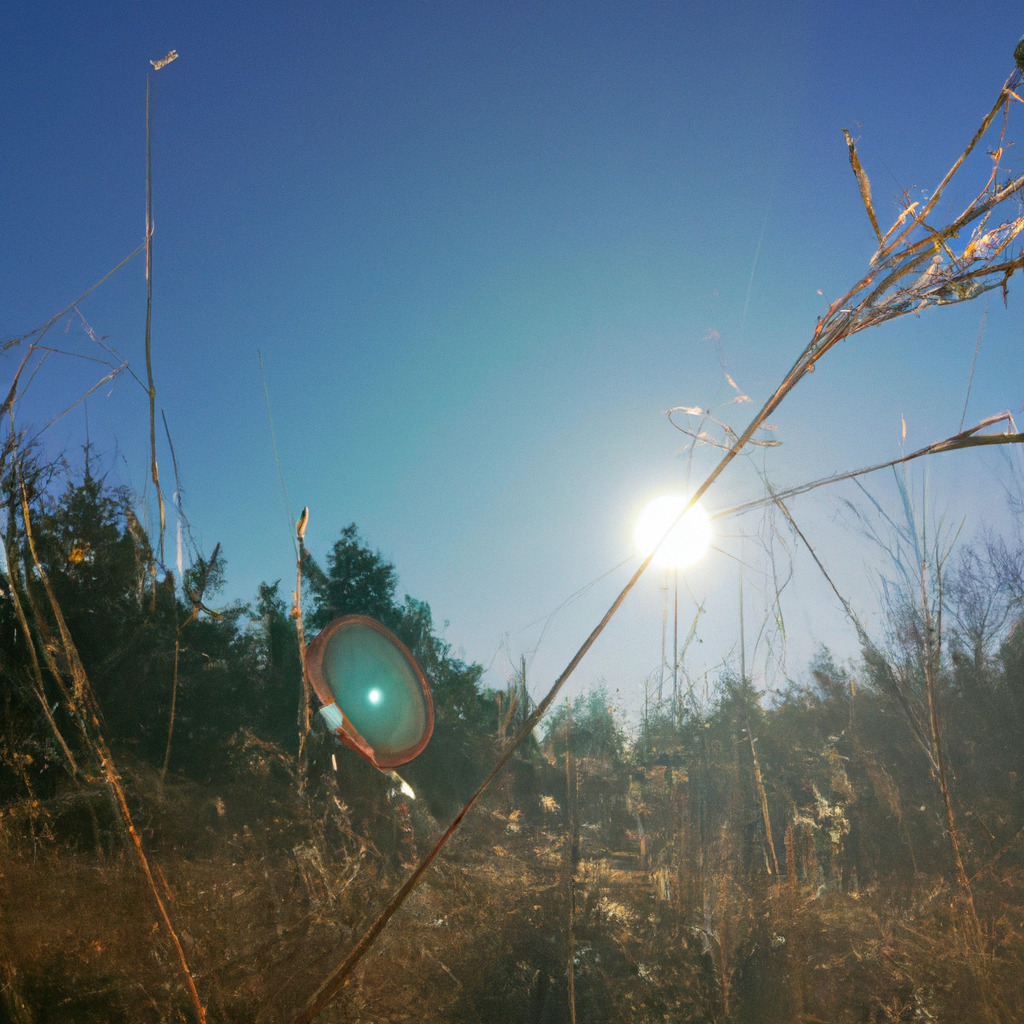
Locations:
{"points": [[688, 540]]}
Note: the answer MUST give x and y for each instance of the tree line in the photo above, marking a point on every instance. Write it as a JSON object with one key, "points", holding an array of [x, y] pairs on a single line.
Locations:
{"points": [[871, 780]]}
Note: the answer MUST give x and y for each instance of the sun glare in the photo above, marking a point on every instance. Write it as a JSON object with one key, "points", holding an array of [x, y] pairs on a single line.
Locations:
{"points": [[688, 540]]}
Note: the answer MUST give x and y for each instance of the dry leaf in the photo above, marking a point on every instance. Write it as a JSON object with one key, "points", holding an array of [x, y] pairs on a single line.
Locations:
{"points": [[863, 184], [899, 220], [163, 61]]}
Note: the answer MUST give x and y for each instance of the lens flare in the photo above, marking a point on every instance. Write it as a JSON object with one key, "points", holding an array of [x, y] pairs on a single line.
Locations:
{"points": [[374, 694]]}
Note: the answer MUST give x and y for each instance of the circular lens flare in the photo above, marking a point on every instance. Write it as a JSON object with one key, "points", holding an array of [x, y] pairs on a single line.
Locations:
{"points": [[365, 671], [689, 537]]}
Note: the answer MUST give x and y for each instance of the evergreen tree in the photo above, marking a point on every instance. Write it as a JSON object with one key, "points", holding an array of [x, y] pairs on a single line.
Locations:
{"points": [[360, 581], [357, 581], [275, 666]]}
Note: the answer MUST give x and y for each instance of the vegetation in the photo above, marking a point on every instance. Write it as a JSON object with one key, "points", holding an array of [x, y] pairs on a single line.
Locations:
{"points": [[178, 841], [714, 862]]}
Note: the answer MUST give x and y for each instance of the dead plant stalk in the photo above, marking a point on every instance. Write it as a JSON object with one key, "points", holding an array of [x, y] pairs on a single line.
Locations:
{"points": [[306, 696], [150, 386], [83, 690], [879, 296], [931, 618]]}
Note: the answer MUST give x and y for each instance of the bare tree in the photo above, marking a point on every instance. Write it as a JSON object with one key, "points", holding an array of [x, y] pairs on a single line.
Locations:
{"points": [[985, 592]]}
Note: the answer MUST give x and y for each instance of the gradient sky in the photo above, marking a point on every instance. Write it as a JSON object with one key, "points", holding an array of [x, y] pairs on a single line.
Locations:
{"points": [[483, 247]]}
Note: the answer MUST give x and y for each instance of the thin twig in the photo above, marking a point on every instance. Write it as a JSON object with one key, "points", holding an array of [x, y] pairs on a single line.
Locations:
{"points": [[871, 652], [571, 856], [150, 386], [195, 596], [306, 695], [970, 438], [40, 331], [931, 619], [974, 364]]}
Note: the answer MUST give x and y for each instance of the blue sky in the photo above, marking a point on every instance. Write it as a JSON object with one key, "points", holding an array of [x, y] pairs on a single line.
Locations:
{"points": [[483, 248]]}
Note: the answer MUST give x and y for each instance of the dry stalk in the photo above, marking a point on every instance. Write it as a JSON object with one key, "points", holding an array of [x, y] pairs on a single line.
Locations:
{"points": [[71, 697], [40, 331], [337, 980], [770, 859], [879, 296], [970, 438], [518, 699], [195, 596], [35, 669], [38, 687], [306, 695], [571, 857], [725, 973], [181, 518], [83, 690], [929, 740], [931, 619], [150, 386]]}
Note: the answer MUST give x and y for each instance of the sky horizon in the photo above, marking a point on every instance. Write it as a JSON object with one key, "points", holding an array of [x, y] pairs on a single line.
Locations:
{"points": [[473, 254]]}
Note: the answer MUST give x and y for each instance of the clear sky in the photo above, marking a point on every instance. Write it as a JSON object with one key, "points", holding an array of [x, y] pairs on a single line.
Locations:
{"points": [[483, 247]]}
